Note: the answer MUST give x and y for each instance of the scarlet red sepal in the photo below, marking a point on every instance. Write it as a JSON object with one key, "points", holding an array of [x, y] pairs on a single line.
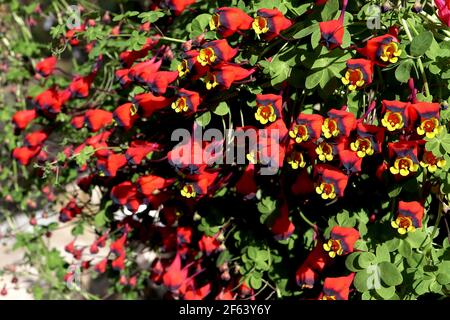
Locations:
{"points": [[69, 211], [149, 103], [332, 33], [46, 66], [138, 150], [22, 119], [382, 50], [127, 58], [409, 217], [208, 244], [330, 177], [225, 74], [282, 227], [186, 100], [227, 21], [403, 155], [268, 107], [25, 154], [337, 288], [308, 273], [97, 119], [122, 76], [148, 184], [174, 276], [178, 6], [125, 115], [338, 123], [246, 185], [350, 161], [269, 23], [111, 164], [79, 87], [51, 101], [216, 51], [34, 139]]}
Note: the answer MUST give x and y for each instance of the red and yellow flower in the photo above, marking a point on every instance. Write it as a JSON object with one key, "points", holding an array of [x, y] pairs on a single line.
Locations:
{"points": [[227, 21], [330, 182], [409, 218], [332, 33], [216, 51], [339, 122], [404, 155], [224, 75], [308, 273], [382, 50], [186, 101], [359, 73], [307, 127], [431, 162], [341, 242], [269, 23], [268, 107], [368, 141], [428, 114], [397, 115]]}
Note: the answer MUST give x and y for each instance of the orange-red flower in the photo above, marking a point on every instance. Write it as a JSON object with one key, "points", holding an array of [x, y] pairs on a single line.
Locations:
{"points": [[268, 23], [330, 182], [307, 127], [268, 107], [429, 115], [337, 288], [225, 74], [46, 66], [186, 100], [404, 157], [125, 115], [359, 73], [148, 103], [308, 273], [409, 217], [227, 21], [338, 123], [216, 51], [97, 119], [397, 115], [282, 227], [368, 141], [382, 50], [22, 119], [341, 241]]}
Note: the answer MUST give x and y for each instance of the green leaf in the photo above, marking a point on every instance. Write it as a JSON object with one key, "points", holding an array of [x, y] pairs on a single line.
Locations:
{"points": [[385, 293], [315, 78], [222, 109], [417, 239], [405, 249], [382, 252], [361, 280], [330, 10], [350, 262], [100, 219], [204, 119], [199, 24], [151, 16], [366, 259], [389, 274], [421, 43], [403, 71]]}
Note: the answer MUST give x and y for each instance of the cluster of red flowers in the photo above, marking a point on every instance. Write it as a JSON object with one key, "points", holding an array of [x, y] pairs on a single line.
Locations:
{"points": [[323, 151]]}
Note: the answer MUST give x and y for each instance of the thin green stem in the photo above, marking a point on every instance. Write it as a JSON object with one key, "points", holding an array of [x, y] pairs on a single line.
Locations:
{"points": [[311, 224]]}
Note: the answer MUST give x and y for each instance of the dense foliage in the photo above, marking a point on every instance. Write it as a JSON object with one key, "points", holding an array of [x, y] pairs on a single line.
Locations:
{"points": [[353, 100]]}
